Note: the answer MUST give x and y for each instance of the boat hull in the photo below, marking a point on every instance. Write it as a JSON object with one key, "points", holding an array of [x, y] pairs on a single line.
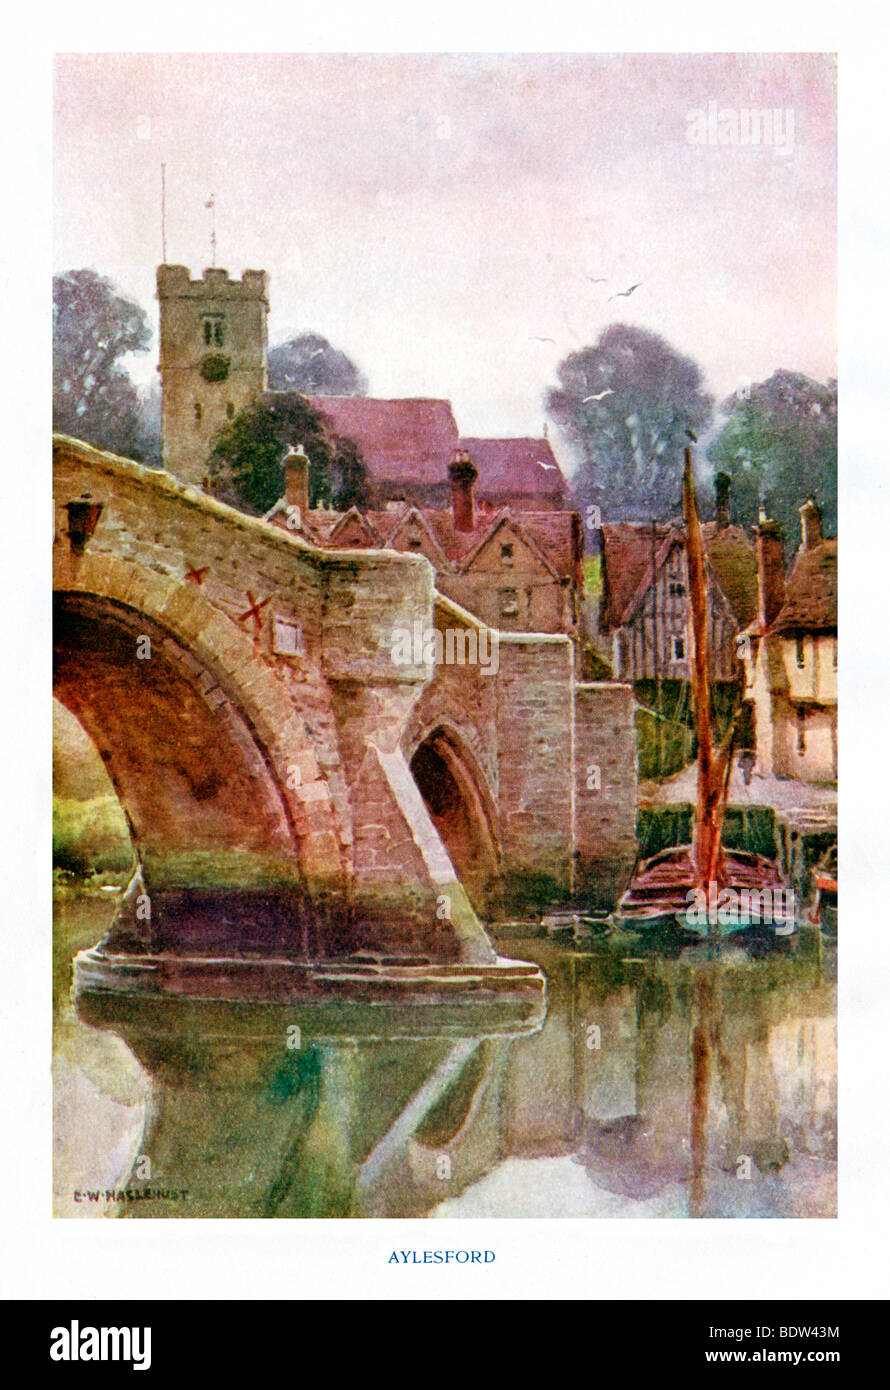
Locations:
{"points": [[663, 899]]}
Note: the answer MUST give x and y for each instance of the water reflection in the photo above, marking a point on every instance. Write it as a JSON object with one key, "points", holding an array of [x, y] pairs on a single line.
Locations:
{"points": [[688, 1087]]}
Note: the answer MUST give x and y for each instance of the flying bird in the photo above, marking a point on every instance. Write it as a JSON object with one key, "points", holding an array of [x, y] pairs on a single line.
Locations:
{"points": [[597, 279], [542, 464], [623, 294], [542, 340], [598, 397]]}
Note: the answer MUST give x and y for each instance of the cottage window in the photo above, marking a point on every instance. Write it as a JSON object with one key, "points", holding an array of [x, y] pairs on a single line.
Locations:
{"points": [[678, 649], [414, 543], [801, 730], [801, 654], [834, 654], [198, 412], [676, 588], [230, 410], [509, 603], [507, 556]]}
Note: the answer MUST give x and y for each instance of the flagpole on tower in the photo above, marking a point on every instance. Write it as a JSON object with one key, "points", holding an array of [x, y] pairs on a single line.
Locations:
{"points": [[211, 203], [163, 214]]}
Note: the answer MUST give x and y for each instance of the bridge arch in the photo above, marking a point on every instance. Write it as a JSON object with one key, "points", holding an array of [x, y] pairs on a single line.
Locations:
{"points": [[213, 766], [461, 807]]}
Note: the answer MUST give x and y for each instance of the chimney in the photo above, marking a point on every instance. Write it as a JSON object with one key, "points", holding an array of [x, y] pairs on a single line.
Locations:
{"points": [[463, 474], [810, 524], [723, 487], [296, 479], [770, 570]]}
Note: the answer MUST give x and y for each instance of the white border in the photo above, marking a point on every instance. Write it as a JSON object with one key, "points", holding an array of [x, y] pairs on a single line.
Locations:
{"points": [[347, 1260]]}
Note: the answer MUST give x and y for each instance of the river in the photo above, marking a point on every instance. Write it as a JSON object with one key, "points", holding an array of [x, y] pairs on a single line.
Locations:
{"points": [[688, 1087]]}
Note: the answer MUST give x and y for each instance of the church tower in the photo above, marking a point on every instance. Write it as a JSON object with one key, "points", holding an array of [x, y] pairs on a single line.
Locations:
{"points": [[212, 359]]}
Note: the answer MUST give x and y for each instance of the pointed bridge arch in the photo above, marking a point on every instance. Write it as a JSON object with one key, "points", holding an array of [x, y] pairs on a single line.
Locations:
{"points": [[213, 766]]}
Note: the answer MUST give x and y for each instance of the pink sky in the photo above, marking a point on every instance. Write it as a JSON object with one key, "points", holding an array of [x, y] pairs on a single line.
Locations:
{"points": [[434, 215]]}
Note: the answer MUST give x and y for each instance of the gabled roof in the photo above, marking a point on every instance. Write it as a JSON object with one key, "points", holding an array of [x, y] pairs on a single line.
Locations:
{"points": [[505, 521], [400, 440], [354, 516], [553, 537], [810, 592], [517, 467], [733, 563], [628, 569], [627, 566], [421, 519]]}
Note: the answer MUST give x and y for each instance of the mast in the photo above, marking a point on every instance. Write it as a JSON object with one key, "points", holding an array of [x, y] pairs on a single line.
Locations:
{"points": [[707, 854]]}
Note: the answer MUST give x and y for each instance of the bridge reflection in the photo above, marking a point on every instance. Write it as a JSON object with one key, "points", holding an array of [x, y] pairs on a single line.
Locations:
{"points": [[690, 1087]]}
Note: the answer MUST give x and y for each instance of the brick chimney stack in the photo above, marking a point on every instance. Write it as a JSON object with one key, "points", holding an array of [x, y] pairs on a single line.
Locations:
{"points": [[770, 570], [810, 524], [723, 488], [296, 479], [463, 474]]}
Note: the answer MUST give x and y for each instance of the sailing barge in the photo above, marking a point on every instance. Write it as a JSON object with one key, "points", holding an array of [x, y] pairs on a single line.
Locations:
{"points": [[703, 890]]}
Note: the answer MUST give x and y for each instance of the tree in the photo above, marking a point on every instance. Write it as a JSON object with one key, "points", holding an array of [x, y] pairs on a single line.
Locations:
{"points": [[779, 444], [624, 405], [310, 365], [246, 466], [94, 398]]}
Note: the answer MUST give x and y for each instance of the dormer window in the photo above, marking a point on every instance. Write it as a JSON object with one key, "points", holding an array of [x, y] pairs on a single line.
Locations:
{"points": [[414, 542], [214, 330], [801, 653]]}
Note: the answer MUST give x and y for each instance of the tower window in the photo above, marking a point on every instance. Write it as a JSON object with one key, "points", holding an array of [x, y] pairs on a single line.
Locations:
{"points": [[198, 412], [678, 649], [676, 589], [214, 330]]}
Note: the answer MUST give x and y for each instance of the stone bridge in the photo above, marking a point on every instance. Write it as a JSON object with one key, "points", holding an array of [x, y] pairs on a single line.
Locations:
{"points": [[291, 790]]}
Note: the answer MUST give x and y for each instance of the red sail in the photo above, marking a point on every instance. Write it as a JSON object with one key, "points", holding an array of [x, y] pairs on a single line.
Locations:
{"points": [[707, 852]]}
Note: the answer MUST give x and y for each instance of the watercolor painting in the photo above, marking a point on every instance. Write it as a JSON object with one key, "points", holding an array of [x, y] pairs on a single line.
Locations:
{"points": [[445, 636]]}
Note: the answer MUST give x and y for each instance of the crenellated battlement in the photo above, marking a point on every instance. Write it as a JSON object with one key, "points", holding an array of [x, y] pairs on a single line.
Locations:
{"points": [[175, 282]]}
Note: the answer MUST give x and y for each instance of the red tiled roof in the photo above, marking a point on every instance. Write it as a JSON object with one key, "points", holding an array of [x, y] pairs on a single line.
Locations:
{"points": [[521, 467], [400, 440], [627, 565], [811, 592], [628, 569]]}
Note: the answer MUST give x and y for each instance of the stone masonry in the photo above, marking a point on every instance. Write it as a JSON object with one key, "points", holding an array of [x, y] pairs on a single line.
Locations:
{"points": [[240, 686]]}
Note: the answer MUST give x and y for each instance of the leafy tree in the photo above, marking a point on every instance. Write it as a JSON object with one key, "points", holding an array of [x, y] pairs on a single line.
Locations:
{"points": [[94, 398], [310, 365], [246, 467], [779, 444], [624, 405]]}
